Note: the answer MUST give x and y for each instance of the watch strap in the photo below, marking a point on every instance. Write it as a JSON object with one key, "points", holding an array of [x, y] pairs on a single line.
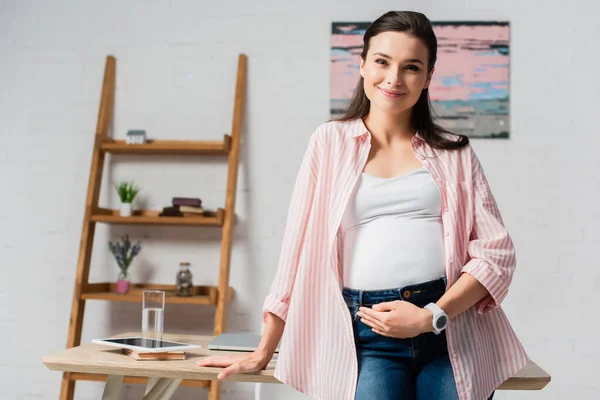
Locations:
{"points": [[437, 313]]}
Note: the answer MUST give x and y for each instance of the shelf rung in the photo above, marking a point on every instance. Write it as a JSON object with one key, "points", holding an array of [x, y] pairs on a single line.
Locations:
{"points": [[206, 295], [151, 217], [80, 376], [169, 147], [106, 291]]}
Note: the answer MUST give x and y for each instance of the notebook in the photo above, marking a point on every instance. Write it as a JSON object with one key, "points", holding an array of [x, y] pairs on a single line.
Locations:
{"points": [[171, 355], [236, 342]]}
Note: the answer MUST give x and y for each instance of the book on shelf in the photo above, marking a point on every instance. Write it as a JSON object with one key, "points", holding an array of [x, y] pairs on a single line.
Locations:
{"points": [[191, 210], [170, 212], [171, 355], [187, 201], [180, 211]]}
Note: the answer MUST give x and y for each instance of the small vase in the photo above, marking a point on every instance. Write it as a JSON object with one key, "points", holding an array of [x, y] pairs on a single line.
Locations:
{"points": [[122, 283], [125, 210]]}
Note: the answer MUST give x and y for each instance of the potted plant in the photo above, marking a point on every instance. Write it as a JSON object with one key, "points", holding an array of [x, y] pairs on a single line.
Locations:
{"points": [[124, 253], [127, 192]]}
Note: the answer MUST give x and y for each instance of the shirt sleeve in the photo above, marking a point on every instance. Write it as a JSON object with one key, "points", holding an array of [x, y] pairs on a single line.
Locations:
{"points": [[491, 248], [278, 299]]}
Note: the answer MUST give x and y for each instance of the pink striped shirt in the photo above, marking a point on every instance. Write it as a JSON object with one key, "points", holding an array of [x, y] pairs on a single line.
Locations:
{"points": [[317, 354]]}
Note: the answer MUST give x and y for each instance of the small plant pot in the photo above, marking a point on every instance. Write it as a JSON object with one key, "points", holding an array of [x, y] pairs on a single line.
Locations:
{"points": [[125, 210], [123, 282]]}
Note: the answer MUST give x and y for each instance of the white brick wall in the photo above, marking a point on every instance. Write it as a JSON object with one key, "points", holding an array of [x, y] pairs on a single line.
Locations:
{"points": [[176, 64]]}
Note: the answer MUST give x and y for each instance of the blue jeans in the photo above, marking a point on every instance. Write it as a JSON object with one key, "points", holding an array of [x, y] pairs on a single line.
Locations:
{"points": [[401, 369]]}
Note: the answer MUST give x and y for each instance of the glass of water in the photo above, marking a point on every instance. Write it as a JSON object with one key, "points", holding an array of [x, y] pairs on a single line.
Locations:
{"points": [[153, 308]]}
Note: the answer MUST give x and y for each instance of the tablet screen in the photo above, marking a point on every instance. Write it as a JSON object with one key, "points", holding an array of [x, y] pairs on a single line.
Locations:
{"points": [[143, 342]]}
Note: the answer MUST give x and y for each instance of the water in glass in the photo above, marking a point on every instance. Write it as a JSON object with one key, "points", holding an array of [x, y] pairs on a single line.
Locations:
{"points": [[152, 322]]}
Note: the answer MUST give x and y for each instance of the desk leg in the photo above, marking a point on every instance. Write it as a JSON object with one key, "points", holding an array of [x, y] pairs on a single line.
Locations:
{"points": [[151, 382], [112, 387], [170, 389], [163, 389]]}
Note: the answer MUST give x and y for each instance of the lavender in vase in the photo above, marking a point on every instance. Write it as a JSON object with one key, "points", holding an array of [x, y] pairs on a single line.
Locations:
{"points": [[124, 254]]}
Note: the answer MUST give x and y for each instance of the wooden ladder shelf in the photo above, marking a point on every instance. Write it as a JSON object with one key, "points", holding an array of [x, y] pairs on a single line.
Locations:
{"points": [[218, 296]]}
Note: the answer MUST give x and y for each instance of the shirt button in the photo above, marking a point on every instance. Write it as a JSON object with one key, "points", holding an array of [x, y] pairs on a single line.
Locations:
{"points": [[447, 233], [449, 260], [445, 209]]}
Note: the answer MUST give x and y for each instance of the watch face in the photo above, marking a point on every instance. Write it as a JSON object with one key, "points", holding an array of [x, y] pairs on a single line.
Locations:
{"points": [[441, 322]]}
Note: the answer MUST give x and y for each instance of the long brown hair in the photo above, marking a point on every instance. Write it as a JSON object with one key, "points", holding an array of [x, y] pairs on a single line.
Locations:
{"points": [[418, 25]]}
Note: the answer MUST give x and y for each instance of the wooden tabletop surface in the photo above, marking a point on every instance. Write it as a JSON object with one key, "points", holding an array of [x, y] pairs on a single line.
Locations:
{"points": [[100, 359], [105, 360]]}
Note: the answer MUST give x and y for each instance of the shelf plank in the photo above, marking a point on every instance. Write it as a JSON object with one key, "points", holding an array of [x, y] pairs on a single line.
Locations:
{"points": [[206, 295], [80, 376], [169, 147], [151, 217]]}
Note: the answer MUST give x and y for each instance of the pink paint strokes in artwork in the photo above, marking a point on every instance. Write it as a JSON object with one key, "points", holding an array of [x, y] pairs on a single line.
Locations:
{"points": [[462, 32], [344, 65], [343, 79], [346, 40], [465, 67]]}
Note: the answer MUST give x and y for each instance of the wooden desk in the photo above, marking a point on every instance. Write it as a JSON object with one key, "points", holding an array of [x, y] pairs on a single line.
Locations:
{"points": [[165, 376]]}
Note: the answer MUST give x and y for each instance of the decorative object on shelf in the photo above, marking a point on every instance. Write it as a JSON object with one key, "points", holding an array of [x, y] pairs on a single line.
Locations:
{"points": [[136, 137], [184, 284], [124, 254], [127, 192]]}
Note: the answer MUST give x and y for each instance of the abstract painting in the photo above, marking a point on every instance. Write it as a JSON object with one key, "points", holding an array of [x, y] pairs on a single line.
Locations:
{"points": [[469, 92]]}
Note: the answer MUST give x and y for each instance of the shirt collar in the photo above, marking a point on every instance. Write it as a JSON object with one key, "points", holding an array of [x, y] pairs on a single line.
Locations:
{"points": [[360, 129]]}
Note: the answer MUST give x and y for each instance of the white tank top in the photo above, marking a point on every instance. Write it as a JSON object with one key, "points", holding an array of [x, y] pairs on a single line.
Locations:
{"points": [[392, 233]]}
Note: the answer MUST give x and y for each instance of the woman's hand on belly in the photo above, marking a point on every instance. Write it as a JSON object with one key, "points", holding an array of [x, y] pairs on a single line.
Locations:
{"points": [[397, 319]]}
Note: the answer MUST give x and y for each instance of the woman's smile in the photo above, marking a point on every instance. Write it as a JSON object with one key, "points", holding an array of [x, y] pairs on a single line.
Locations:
{"points": [[391, 94]]}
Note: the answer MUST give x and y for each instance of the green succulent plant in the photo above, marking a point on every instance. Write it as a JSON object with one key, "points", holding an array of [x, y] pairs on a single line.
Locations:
{"points": [[127, 191]]}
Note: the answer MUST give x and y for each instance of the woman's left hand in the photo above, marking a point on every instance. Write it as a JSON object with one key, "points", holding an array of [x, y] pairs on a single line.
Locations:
{"points": [[397, 319]]}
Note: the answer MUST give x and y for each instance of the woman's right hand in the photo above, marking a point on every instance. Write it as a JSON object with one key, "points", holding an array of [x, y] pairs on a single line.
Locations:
{"points": [[237, 364]]}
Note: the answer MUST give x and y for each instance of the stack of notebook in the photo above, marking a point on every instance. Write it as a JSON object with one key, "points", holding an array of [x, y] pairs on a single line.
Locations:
{"points": [[171, 355], [182, 206]]}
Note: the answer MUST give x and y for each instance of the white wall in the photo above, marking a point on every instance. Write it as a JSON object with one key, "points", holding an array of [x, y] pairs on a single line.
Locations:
{"points": [[176, 64]]}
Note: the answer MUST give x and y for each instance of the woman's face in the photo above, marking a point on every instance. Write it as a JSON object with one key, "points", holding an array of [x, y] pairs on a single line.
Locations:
{"points": [[395, 71]]}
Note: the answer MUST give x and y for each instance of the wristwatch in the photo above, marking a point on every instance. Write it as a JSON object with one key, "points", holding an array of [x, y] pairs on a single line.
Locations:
{"points": [[440, 319]]}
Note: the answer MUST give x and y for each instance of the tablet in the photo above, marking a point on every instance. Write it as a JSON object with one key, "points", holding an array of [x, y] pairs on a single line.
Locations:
{"points": [[146, 345]]}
